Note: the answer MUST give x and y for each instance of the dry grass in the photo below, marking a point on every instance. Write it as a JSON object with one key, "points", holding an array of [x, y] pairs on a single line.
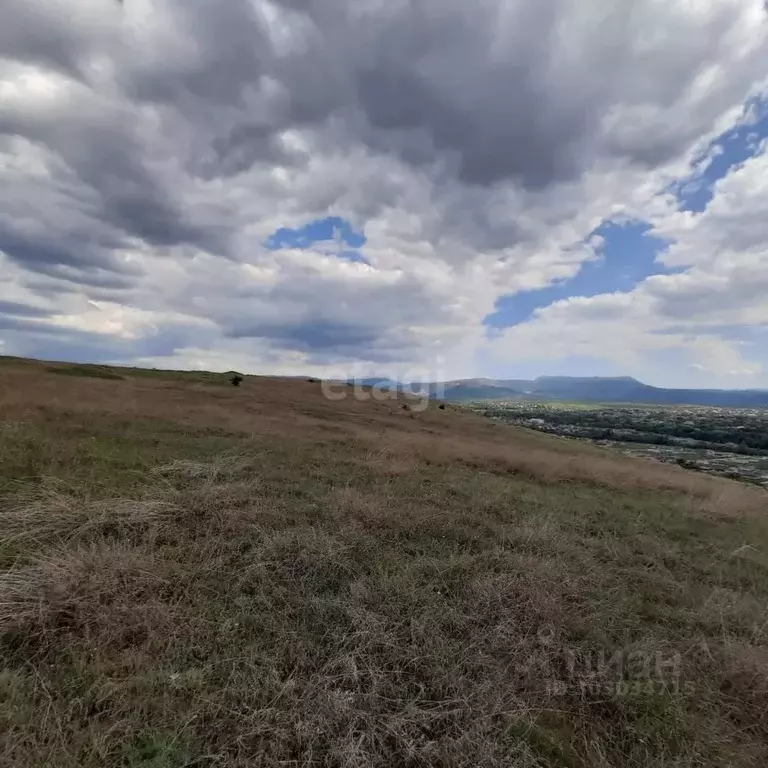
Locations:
{"points": [[192, 575], [41, 514], [106, 592]]}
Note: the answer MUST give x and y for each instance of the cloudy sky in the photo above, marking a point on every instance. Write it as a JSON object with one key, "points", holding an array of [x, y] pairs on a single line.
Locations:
{"points": [[417, 188]]}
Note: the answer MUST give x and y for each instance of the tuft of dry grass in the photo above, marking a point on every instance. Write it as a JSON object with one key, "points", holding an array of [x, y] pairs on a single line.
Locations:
{"points": [[193, 575], [38, 515], [219, 468], [109, 594]]}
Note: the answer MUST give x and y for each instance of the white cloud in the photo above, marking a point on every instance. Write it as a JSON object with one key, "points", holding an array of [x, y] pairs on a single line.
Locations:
{"points": [[147, 152], [712, 313]]}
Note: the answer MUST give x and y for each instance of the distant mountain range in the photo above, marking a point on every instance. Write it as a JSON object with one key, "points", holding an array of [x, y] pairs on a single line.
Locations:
{"points": [[621, 389]]}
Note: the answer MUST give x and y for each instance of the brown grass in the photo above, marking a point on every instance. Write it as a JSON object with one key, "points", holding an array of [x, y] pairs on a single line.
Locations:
{"points": [[196, 575]]}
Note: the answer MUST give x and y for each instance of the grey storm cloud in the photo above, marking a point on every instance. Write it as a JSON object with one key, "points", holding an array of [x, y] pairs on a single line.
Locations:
{"points": [[40, 32], [15, 309], [113, 194], [160, 108], [374, 320], [503, 91], [497, 91], [521, 93], [31, 335], [330, 341], [708, 296], [319, 335], [27, 324]]}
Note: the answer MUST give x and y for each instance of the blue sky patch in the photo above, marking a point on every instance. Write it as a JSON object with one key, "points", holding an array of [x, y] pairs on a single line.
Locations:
{"points": [[629, 253], [628, 257], [728, 150], [322, 230]]}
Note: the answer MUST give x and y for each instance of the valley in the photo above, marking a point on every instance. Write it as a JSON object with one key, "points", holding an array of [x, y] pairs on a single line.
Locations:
{"points": [[731, 442]]}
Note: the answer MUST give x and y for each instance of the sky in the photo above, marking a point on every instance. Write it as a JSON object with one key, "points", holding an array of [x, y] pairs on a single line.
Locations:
{"points": [[424, 191]]}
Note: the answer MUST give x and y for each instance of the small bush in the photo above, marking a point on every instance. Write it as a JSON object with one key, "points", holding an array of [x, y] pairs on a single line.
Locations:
{"points": [[236, 380]]}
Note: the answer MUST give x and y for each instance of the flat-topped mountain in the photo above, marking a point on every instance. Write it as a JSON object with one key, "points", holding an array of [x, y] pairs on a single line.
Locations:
{"points": [[616, 389]]}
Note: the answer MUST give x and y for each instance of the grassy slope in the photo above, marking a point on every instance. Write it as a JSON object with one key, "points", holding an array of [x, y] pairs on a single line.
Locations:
{"points": [[202, 575]]}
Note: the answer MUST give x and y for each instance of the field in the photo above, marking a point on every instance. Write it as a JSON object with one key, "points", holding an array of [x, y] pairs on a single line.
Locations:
{"points": [[193, 574]]}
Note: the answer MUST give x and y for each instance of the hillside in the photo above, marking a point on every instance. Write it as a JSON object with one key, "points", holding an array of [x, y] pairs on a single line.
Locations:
{"points": [[193, 574], [618, 389]]}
